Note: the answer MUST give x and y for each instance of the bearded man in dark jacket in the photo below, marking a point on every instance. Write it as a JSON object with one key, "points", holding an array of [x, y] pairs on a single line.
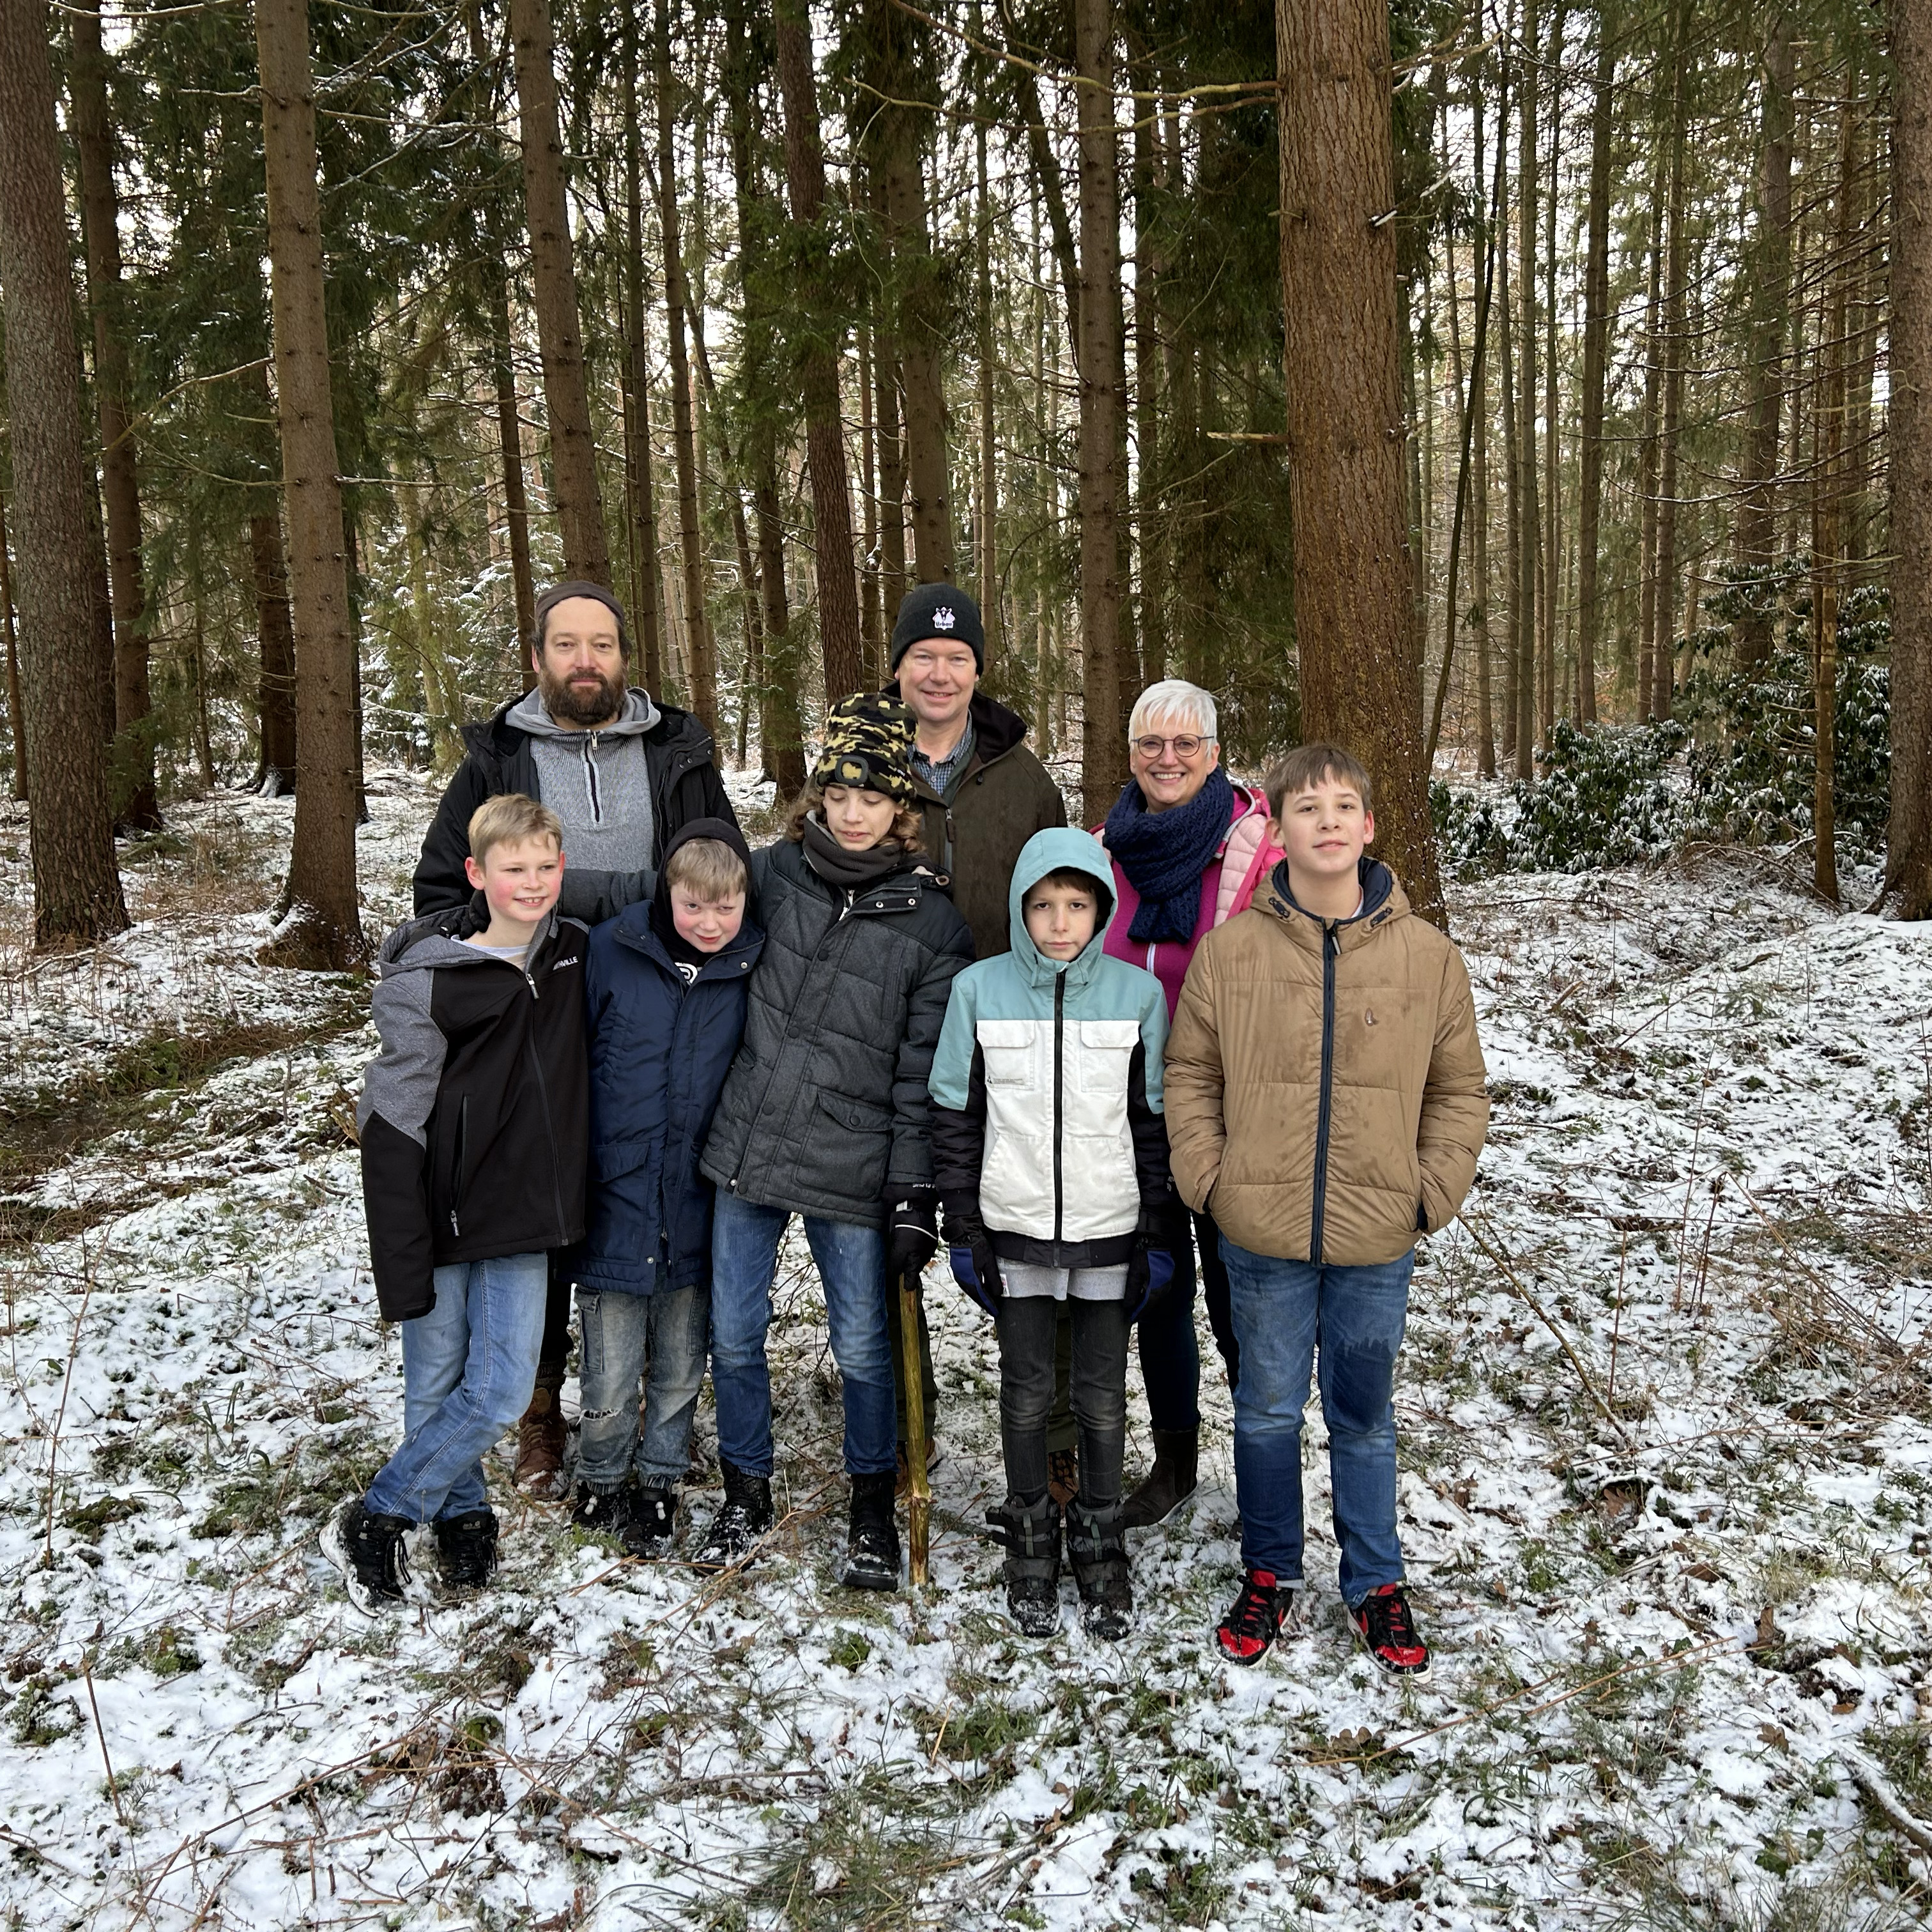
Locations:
{"points": [[623, 772], [981, 794]]}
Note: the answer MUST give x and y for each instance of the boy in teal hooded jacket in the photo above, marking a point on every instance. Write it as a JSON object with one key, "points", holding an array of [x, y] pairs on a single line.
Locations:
{"points": [[1050, 1155]]}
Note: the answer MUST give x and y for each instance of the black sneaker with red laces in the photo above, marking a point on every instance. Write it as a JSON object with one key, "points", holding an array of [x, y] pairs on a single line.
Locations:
{"points": [[1253, 1620], [1387, 1627]]}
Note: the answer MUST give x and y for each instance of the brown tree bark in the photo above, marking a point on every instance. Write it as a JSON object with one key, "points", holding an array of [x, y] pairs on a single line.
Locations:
{"points": [[1479, 407], [1650, 604], [322, 927], [899, 139], [137, 808], [1908, 834], [818, 359], [1103, 756], [1529, 545], [872, 615], [76, 888], [990, 611], [1770, 286], [1596, 363], [1552, 439], [1149, 168], [1345, 429], [573, 452], [700, 652], [1664, 656], [647, 590], [892, 475], [16, 713], [275, 691], [1513, 509]]}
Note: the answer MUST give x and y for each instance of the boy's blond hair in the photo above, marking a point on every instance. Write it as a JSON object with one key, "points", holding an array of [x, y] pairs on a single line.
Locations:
{"points": [[508, 819], [1304, 768], [707, 868]]}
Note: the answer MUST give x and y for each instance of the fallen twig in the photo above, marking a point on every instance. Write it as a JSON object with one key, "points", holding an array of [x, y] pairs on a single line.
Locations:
{"points": [[1878, 1788]]}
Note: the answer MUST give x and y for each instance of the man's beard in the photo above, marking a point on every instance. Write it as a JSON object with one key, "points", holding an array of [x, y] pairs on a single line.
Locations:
{"points": [[582, 705]]}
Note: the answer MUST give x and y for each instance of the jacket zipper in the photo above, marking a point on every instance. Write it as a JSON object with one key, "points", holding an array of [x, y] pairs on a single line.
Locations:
{"points": [[543, 1096], [590, 779], [1059, 1097], [456, 1179], [1331, 948]]}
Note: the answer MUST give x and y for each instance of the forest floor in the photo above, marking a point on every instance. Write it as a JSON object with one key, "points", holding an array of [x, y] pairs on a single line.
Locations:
{"points": [[1666, 1494]]}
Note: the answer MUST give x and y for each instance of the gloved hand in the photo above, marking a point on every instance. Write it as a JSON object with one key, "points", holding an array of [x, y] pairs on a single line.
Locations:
{"points": [[912, 1236], [1150, 1267], [975, 1266]]}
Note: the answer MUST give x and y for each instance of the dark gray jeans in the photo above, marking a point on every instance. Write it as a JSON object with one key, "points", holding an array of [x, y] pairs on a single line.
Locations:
{"points": [[1098, 1391]]}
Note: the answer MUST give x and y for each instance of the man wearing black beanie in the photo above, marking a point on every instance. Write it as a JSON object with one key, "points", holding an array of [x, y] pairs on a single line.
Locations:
{"points": [[980, 793]]}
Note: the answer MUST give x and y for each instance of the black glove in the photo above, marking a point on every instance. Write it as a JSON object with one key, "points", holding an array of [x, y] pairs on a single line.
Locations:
{"points": [[975, 1266], [1150, 1267], [912, 1234]]}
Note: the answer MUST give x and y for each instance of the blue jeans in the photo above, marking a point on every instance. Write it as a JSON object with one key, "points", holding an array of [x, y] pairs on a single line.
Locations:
{"points": [[851, 1262], [1170, 1357], [469, 1366], [1286, 1314], [622, 1334]]}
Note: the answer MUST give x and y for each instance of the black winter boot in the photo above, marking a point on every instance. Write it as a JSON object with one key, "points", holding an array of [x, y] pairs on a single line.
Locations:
{"points": [[603, 1512], [1168, 1483], [742, 1518], [872, 1544], [652, 1524], [1098, 1546], [1031, 1536], [367, 1548], [467, 1544]]}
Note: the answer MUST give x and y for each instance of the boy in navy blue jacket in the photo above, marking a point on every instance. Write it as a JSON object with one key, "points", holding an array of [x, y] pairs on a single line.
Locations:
{"points": [[665, 998]]}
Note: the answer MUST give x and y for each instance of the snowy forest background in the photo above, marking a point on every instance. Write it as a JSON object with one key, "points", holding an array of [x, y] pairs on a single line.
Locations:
{"points": [[760, 313]]}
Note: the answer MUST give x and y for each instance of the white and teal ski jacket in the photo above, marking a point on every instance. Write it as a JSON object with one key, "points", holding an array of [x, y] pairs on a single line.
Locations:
{"points": [[1046, 1086]]}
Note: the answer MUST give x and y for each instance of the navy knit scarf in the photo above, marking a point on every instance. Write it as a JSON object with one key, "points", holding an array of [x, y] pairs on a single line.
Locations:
{"points": [[1164, 854]]}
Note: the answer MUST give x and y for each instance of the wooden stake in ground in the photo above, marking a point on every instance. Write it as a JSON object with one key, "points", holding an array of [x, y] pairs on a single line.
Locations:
{"points": [[919, 1497], [1352, 585], [322, 926], [76, 889]]}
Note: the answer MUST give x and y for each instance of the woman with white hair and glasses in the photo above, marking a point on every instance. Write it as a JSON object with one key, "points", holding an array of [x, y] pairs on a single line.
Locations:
{"points": [[1189, 848]]}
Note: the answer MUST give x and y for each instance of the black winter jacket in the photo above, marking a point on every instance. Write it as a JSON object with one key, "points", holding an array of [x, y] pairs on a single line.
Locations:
{"points": [[475, 1118], [685, 785], [825, 1109]]}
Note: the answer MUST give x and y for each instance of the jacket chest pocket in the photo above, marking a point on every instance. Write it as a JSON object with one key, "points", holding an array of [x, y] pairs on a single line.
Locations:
{"points": [[1010, 1050], [1105, 1051]]}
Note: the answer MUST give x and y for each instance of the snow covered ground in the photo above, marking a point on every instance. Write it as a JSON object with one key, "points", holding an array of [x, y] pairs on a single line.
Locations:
{"points": [[1666, 1495]]}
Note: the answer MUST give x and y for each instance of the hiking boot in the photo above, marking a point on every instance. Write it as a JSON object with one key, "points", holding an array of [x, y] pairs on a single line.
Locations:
{"points": [[902, 1484], [541, 1438], [872, 1542], [1387, 1627], [467, 1544], [1254, 1618], [1030, 1537], [367, 1548], [1097, 1547], [1168, 1483], [652, 1525], [742, 1518], [603, 1512], [1063, 1475]]}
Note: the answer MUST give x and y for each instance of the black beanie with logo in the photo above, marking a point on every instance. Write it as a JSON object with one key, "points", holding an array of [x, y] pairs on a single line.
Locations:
{"points": [[939, 611]]}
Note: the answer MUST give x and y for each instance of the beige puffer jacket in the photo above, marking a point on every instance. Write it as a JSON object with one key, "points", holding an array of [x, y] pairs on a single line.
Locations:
{"points": [[1324, 1086]]}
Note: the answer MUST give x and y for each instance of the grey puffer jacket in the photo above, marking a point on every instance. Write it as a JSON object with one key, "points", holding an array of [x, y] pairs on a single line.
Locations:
{"points": [[825, 1109]]}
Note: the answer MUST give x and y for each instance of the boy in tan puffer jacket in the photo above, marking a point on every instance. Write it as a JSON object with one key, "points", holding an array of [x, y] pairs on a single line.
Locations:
{"points": [[1326, 1104]]}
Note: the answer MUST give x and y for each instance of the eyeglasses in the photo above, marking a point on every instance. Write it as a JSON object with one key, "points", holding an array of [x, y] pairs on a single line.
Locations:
{"points": [[1184, 748]]}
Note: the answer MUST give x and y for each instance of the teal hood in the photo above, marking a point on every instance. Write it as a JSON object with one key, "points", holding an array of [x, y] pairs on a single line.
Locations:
{"points": [[1060, 848]]}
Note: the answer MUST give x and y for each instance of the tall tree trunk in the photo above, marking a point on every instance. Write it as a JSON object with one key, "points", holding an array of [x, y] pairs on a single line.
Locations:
{"points": [[1103, 721], [322, 927], [573, 453], [1651, 604], [1352, 618], [700, 654], [132, 780], [646, 588], [1552, 439], [1908, 444], [17, 710], [275, 626], [871, 615], [920, 321], [892, 476], [1512, 509], [1149, 268], [991, 610], [818, 359], [1663, 659], [1596, 362], [76, 889], [1770, 285], [1529, 551], [1479, 409]]}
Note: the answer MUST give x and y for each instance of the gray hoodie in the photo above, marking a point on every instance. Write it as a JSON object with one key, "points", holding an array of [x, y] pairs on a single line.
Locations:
{"points": [[596, 781]]}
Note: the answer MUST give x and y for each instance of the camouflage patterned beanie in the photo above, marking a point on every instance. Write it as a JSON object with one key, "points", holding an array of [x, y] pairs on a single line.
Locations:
{"points": [[868, 736]]}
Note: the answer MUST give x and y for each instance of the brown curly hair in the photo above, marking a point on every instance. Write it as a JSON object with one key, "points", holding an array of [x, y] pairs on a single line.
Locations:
{"points": [[906, 825]]}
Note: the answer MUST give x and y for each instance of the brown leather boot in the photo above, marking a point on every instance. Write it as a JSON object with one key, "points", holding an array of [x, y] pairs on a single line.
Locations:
{"points": [[540, 1438], [1168, 1483]]}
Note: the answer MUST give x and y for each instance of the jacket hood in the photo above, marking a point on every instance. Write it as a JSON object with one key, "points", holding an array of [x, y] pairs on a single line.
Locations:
{"points": [[1382, 899], [1060, 848], [653, 916], [436, 939], [637, 716]]}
